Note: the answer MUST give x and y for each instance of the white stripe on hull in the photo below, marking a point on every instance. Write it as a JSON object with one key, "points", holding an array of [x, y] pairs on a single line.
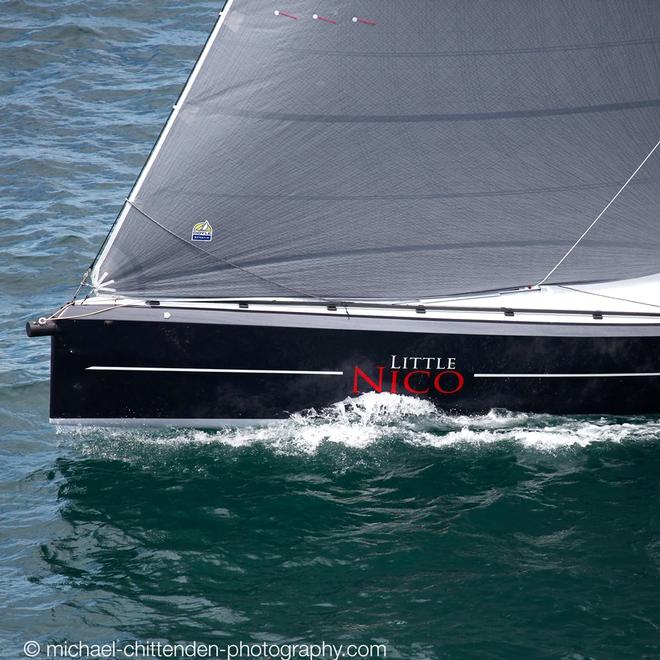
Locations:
{"points": [[296, 372], [301, 372]]}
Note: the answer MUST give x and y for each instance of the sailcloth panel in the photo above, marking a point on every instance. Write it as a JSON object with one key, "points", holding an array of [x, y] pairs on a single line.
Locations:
{"points": [[426, 148]]}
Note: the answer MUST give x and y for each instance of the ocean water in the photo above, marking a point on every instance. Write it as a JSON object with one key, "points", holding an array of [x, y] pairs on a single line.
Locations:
{"points": [[376, 521]]}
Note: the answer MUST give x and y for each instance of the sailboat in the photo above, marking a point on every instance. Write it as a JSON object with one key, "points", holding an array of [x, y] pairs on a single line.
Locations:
{"points": [[457, 200]]}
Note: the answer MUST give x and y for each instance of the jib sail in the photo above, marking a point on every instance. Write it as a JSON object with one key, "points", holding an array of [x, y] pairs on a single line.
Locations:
{"points": [[381, 149]]}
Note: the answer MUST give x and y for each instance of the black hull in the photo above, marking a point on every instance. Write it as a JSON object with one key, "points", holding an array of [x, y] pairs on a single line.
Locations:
{"points": [[236, 367]]}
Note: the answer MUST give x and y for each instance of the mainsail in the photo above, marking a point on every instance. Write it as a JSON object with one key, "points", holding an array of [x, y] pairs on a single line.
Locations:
{"points": [[382, 149]]}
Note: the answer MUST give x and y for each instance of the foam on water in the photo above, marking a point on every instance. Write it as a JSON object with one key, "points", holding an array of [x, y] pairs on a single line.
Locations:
{"points": [[372, 418]]}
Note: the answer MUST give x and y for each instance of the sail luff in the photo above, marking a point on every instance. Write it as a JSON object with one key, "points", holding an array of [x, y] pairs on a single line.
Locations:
{"points": [[97, 275]]}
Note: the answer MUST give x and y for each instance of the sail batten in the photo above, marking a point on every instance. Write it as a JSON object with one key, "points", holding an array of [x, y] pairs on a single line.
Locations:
{"points": [[443, 148]]}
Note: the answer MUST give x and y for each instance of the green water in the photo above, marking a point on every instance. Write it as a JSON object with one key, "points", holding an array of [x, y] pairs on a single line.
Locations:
{"points": [[502, 536]]}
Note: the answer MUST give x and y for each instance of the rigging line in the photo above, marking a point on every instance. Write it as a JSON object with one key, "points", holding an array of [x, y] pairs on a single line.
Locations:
{"points": [[80, 316], [600, 215], [83, 283], [602, 295], [222, 259], [58, 313]]}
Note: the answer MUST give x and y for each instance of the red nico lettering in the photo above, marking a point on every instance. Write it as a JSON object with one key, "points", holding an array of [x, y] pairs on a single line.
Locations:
{"points": [[358, 373], [409, 387], [459, 384], [393, 384], [362, 381]]}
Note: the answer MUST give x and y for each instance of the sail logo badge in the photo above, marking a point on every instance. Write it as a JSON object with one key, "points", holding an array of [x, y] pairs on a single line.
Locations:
{"points": [[202, 231]]}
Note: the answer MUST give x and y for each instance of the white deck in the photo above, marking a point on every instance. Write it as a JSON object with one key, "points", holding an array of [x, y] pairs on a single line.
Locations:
{"points": [[624, 302]]}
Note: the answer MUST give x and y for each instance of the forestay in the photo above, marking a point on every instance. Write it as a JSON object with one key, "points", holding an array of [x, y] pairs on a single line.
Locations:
{"points": [[397, 150]]}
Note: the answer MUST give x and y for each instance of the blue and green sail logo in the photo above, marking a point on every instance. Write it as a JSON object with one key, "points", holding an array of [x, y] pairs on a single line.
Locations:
{"points": [[202, 231]]}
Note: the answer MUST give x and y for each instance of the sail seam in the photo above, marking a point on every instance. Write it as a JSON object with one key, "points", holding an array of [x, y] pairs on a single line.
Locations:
{"points": [[531, 113], [505, 192], [598, 45]]}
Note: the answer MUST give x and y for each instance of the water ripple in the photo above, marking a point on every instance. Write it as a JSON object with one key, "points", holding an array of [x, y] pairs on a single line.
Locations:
{"points": [[377, 519]]}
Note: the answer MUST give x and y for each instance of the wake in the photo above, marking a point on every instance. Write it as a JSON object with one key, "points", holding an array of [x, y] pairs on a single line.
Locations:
{"points": [[359, 422]]}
